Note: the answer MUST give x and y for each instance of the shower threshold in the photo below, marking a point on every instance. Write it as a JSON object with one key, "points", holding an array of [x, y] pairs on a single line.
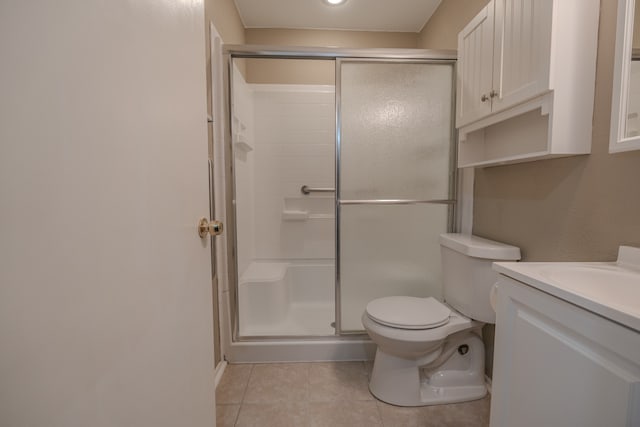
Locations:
{"points": [[312, 339]]}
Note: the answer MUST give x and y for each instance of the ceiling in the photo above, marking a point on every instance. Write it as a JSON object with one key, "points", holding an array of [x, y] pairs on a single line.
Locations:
{"points": [[362, 15]]}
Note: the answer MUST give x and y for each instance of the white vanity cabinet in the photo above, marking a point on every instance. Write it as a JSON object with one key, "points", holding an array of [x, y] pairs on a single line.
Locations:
{"points": [[525, 81], [556, 364]]}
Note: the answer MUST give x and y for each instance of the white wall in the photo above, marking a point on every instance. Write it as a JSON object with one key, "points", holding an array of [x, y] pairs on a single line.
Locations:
{"points": [[295, 145]]}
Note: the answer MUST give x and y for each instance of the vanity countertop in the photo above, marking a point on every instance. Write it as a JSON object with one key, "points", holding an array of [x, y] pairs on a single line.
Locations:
{"points": [[609, 289]]}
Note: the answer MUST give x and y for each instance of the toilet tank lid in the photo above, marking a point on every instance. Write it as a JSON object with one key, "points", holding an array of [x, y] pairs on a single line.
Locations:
{"points": [[478, 247]]}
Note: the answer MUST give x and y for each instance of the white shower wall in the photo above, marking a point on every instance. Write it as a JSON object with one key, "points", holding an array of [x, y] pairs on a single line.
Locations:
{"points": [[284, 138], [244, 164], [294, 146], [290, 131]]}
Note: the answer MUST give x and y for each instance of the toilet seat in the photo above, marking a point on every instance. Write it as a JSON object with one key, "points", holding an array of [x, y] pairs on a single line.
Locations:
{"points": [[404, 312]]}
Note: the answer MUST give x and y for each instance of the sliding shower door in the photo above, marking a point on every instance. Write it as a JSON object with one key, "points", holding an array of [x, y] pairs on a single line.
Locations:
{"points": [[395, 180]]}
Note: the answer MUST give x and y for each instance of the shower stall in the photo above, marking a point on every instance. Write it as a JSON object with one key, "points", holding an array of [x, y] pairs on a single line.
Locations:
{"points": [[340, 177]]}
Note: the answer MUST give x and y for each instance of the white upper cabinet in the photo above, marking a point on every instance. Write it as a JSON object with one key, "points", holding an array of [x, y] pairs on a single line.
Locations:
{"points": [[503, 57], [522, 38], [475, 68], [526, 78]]}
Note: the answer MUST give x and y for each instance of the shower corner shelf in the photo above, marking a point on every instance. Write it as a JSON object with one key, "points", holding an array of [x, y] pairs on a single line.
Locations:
{"points": [[242, 146], [238, 122], [293, 215]]}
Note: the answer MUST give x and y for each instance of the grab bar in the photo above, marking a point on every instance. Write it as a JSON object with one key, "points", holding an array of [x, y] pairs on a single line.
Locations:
{"points": [[305, 189], [397, 202]]}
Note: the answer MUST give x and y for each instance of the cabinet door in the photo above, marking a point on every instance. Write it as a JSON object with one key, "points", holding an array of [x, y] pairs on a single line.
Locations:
{"points": [[559, 365], [522, 48], [475, 60]]}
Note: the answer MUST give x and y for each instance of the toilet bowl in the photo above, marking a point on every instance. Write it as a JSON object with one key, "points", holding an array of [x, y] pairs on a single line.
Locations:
{"points": [[429, 352], [414, 367]]}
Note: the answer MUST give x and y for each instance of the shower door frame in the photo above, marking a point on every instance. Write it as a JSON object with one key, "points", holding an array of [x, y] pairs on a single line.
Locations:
{"points": [[338, 55]]}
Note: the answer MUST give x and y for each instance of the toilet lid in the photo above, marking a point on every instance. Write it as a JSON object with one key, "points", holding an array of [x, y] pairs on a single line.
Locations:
{"points": [[408, 312]]}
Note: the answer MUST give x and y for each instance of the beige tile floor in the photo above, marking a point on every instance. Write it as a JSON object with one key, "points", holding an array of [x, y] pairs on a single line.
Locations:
{"points": [[325, 394]]}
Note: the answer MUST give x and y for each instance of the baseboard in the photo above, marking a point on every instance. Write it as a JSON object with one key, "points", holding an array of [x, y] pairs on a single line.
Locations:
{"points": [[219, 371]]}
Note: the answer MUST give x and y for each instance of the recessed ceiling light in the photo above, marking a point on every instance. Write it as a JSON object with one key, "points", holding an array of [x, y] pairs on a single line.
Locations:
{"points": [[334, 2]]}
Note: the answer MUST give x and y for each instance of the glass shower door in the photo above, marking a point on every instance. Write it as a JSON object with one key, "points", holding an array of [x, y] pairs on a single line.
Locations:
{"points": [[395, 181]]}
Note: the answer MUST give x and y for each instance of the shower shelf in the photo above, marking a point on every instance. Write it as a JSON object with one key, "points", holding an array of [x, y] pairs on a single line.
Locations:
{"points": [[303, 208], [238, 122], [243, 146], [321, 216], [292, 215], [295, 215], [240, 143]]}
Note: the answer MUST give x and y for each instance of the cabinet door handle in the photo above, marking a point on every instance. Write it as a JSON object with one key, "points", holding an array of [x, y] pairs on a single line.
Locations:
{"points": [[484, 98], [493, 93]]}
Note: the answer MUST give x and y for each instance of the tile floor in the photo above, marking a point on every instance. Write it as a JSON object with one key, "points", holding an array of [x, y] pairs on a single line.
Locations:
{"points": [[325, 394]]}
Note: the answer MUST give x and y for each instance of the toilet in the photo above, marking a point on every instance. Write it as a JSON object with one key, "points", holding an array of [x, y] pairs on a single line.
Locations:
{"points": [[430, 352]]}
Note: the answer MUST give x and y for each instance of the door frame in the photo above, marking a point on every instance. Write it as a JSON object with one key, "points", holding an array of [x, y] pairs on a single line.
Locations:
{"points": [[216, 198]]}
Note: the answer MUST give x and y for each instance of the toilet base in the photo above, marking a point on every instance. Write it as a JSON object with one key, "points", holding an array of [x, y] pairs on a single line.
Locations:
{"points": [[448, 377]]}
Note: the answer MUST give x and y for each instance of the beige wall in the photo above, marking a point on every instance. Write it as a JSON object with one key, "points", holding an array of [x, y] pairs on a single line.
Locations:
{"points": [[325, 38], [577, 208], [225, 17], [441, 31], [290, 71], [314, 72]]}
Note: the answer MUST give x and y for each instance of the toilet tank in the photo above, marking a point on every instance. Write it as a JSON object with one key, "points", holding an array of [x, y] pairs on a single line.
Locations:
{"points": [[467, 274]]}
